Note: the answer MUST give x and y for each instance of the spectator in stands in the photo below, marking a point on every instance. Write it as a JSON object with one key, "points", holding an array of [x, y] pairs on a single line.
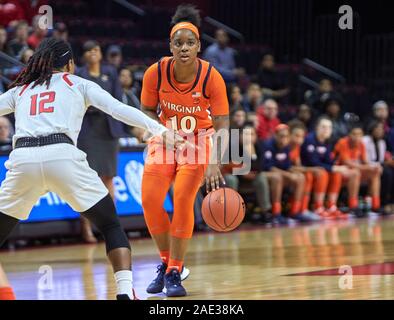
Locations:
{"points": [[235, 97], [114, 56], [316, 152], [100, 132], [19, 42], [253, 98], [381, 113], [5, 132], [270, 80], [3, 39], [278, 167], [305, 116], [126, 82], [377, 153], [13, 71], [38, 33], [26, 55], [238, 118], [350, 151], [60, 31], [31, 8], [332, 110], [390, 141], [325, 91], [223, 58], [267, 119]]}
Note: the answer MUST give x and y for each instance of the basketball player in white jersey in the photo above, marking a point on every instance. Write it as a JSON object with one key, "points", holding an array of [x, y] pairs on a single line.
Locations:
{"points": [[49, 103]]}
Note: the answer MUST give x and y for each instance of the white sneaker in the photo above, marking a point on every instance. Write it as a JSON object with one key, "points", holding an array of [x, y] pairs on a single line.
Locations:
{"points": [[185, 273], [311, 215]]}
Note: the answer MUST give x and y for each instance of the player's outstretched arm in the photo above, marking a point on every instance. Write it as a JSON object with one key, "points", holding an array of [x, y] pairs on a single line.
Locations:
{"points": [[101, 99], [7, 102]]}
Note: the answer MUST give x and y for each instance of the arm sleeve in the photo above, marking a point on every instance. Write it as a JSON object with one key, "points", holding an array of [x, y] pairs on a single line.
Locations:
{"points": [[149, 94], [217, 94], [7, 102], [101, 99]]}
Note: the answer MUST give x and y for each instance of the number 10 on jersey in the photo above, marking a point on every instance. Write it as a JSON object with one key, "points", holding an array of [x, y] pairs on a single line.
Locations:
{"points": [[187, 123]]}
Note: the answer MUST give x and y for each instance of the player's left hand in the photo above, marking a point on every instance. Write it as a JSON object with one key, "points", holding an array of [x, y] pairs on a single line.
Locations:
{"points": [[213, 177]]}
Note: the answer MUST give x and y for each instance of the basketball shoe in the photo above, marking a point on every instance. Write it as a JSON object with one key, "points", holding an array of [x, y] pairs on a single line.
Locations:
{"points": [[157, 285], [173, 284], [126, 296]]}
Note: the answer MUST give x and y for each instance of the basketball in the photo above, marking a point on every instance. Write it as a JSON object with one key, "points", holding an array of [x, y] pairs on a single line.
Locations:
{"points": [[223, 210]]}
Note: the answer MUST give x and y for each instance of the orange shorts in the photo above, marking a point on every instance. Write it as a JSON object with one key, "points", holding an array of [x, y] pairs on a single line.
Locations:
{"points": [[161, 161]]}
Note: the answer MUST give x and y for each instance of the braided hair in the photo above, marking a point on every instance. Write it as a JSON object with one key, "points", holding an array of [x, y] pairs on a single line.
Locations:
{"points": [[52, 54]]}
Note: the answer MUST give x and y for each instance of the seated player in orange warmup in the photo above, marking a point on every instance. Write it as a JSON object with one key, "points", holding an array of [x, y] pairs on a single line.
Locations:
{"points": [[279, 171], [316, 152], [350, 151], [297, 137], [189, 95], [6, 292]]}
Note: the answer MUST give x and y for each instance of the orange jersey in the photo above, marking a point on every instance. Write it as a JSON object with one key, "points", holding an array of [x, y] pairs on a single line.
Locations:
{"points": [[295, 155], [343, 152], [186, 107]]}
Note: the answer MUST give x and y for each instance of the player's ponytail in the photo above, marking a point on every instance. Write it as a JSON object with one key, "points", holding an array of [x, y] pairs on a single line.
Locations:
{"points": [[52, 54], [187, 13]]}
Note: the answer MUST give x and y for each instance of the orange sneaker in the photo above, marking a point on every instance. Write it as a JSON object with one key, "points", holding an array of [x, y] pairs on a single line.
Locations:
{"points": [[324, 213], [337, 214]]}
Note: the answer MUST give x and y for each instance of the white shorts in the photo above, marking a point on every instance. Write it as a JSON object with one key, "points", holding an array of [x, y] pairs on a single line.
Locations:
{"points": [[59, 168]]}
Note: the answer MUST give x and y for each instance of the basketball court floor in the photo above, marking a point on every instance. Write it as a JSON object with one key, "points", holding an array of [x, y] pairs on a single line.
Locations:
{"points": [[300, 262]]}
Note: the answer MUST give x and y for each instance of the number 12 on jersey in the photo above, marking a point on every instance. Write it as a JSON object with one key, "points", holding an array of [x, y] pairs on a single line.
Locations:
{"points": [[42, 99]]}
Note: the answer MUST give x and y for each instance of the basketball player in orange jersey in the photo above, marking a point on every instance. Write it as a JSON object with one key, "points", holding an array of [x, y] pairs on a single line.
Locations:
{"points": [[188, 95], [350, 151], [297, 137], [316, 151], [6, 292]]}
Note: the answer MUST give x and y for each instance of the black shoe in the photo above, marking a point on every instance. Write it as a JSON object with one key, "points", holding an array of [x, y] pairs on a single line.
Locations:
{"points": [[173, 284], [157, 285], [126, 296], [359, 213], [201, 227]]}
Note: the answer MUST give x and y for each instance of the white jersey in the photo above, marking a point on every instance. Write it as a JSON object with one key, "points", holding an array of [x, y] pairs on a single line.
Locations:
{"points": [[60, 108]]}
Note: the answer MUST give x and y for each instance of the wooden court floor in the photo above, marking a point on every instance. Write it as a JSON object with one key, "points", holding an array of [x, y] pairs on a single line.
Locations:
{"points": [[301, 262]]}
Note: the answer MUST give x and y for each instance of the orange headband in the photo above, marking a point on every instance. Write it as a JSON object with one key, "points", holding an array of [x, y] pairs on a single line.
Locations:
{"points": [[185, 25]]}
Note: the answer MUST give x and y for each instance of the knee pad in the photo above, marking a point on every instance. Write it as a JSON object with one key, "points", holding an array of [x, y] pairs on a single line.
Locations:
{"points": [[103, 216], [7, 224]]}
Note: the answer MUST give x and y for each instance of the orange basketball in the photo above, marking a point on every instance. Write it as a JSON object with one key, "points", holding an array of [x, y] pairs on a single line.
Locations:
{"points": [[223, 209]]}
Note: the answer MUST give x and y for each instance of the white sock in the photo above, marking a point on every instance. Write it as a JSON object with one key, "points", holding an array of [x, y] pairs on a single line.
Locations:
{"points": [[124, 282]]}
